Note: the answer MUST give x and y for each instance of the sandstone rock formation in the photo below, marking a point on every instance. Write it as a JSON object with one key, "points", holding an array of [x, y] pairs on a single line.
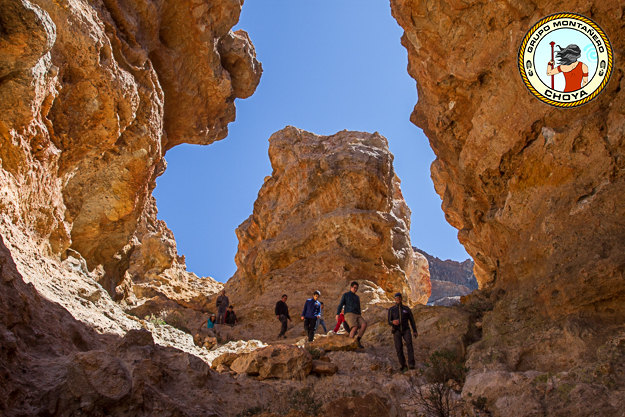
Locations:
{"points": [[331, 212], [450, 279], [92, 95], [535, 192]]}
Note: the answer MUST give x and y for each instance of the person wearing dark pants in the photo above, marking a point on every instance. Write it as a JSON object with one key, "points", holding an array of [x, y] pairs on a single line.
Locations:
{"points": [[312, 311], [401, 320], [282, 314], [320, 321]]}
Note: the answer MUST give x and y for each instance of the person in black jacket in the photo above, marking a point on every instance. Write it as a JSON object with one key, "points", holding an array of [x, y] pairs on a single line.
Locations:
{"points": [[401, 320], [282, 314]]}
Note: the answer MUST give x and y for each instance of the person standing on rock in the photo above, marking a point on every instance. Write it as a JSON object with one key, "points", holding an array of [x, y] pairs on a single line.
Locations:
{"points": [[312, 311], [353, 316], [401, 319], [282, 314], [320, 320], [222, 307]]}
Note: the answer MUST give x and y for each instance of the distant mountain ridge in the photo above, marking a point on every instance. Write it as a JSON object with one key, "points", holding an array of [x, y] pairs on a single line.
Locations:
{"points": [[450, 279]]}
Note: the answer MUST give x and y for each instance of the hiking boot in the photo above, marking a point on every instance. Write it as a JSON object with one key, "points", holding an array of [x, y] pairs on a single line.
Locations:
{"points": [[403, 369], [411, 366]]}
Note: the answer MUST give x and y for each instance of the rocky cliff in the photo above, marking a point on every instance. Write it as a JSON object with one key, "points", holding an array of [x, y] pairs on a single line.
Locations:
{"points": [[92, 95], [331, 212], [450, 279], [536, 194]]}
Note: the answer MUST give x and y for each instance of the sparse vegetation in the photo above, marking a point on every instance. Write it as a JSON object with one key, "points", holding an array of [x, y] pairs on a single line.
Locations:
{"points": [[304, 400], [444, 375], [156, 320], [315, 352], [175, 319], [252, 411], [479, 406]]}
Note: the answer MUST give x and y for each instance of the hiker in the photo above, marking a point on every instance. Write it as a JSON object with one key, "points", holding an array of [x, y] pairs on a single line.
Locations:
{"points": [[341, 320], [401, 319], [320, 320], [222, 306], [282, 314], [312, 310], [353, 316], [231, 317], [210, 324], [575, 72]]}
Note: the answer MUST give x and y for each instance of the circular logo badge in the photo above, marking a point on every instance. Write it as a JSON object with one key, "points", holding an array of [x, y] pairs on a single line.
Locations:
{"points": [[566, 60]]}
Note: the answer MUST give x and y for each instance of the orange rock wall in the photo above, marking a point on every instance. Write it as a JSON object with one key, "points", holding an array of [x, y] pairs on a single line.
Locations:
{"points": [[92, 94], [535, 191]]}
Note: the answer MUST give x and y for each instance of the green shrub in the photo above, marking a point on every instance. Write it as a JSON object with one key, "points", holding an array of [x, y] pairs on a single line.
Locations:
{"points": [[157, 321]]}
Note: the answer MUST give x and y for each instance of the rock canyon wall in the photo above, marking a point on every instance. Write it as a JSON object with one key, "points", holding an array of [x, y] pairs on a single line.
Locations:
{"points": [[92, 94], [450, 279], [536, 194]]}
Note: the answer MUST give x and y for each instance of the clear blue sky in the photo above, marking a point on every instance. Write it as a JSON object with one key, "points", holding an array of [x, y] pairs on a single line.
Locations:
{"points": [[328, 65]]}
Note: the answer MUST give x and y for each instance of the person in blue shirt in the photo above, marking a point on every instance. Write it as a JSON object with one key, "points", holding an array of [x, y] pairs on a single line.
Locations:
{"points": [[320, 320], [312, 311]]}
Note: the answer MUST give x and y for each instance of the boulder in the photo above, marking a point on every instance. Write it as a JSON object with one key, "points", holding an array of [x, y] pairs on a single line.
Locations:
{"points": [[333, 342], [322, 367], [225, 360], [276, 361]]}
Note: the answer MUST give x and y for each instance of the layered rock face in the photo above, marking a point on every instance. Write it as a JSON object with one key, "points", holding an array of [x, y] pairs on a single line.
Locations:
{"points": [[331, 212], [92, 94], [450, 279], [535, 191]]}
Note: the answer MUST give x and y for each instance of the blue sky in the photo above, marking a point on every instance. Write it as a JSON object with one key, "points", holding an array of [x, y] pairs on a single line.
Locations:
{"points": [[328, 65]]}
